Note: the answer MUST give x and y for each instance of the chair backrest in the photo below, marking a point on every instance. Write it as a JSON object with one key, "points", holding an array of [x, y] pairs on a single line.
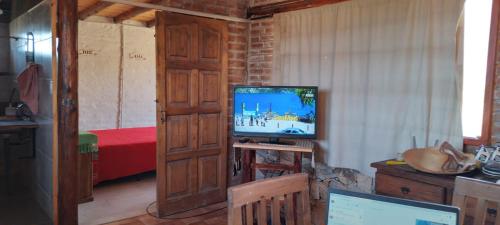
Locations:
{"points": [[290, 193], [485, 194]]}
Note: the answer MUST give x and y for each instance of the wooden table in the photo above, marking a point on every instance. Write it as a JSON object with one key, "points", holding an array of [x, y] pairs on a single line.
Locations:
{"points": [[250, 165], [12, 127]]}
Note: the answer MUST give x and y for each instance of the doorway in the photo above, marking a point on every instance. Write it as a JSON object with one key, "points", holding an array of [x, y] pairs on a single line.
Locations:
{"points": [[117, 92]]}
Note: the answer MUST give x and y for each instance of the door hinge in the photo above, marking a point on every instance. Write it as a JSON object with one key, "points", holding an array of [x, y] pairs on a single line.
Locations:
{"points": [[163, 116]]}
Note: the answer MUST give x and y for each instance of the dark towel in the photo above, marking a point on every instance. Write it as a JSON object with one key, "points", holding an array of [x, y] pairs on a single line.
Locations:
{"points": [[28, 86]]}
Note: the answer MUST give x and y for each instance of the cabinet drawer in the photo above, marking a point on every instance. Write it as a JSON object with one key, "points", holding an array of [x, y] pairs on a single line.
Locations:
{"points": [[409, 189]]}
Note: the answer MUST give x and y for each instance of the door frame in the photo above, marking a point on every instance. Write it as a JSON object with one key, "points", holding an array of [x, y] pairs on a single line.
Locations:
{"points": [[65, 109]]}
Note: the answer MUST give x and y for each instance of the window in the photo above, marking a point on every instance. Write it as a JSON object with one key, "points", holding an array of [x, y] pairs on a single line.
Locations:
{"points": [[477, 25]]}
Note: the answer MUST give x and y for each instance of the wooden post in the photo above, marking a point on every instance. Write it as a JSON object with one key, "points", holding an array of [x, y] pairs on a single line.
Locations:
{"points": [[66, 211]]}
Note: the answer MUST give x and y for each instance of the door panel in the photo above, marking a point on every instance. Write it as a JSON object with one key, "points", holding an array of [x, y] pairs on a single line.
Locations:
{"points": [[191, 112], [179, 43], [209, 93], [209, 131], [180, 87], [179, 129], [208, 177], [210, 45], [179, 179]]}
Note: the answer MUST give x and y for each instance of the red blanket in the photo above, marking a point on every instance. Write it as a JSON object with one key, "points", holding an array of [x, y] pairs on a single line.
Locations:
{"points": [[124, 152]]}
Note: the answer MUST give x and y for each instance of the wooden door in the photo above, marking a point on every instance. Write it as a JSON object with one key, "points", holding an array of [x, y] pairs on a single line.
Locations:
{"points": [[191, 113]]}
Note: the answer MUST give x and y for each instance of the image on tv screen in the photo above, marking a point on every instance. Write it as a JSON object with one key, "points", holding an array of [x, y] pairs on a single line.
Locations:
{"points": [[276, 110]]}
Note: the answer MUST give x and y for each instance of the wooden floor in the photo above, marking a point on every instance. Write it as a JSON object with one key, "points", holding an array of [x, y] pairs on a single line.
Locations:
{"points": [[218, 217]]}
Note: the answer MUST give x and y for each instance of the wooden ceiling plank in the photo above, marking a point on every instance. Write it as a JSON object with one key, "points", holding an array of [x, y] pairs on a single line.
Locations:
{"points": [[134, 12], [94, 9], [177, 10], [263, 11]]}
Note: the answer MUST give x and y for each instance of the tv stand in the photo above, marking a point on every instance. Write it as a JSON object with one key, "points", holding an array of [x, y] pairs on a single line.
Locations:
{"points": [[250, 164], [276, 141]]}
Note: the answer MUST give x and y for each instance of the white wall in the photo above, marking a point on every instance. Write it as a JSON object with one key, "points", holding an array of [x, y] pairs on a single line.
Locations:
{"points": [[99, 69], [139, 77]]}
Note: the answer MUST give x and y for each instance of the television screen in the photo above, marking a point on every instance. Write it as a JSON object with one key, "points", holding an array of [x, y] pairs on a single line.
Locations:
{"points": [[275, 111]]}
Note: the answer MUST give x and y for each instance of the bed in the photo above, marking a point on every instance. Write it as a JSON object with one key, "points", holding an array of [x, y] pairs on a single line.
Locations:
{"points": [[124, 152]]}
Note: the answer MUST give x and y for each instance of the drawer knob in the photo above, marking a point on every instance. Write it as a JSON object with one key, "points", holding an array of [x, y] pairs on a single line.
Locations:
{"points": [[405, 190]]}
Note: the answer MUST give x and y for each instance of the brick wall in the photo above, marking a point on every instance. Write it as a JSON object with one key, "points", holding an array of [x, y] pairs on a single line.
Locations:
{"points": [[238, 52], [237, 74], [260, 53]]}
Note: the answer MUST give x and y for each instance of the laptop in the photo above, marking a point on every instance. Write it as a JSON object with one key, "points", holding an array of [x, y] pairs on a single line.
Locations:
{"points": [[352, 208]]}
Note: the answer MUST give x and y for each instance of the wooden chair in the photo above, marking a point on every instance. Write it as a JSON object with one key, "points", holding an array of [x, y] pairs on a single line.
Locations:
{"points": [[484, 193], [290, 191]]}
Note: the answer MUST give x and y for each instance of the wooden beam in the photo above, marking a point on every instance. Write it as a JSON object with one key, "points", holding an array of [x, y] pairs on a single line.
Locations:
{"points": [[133, 12], [176, 10], [268, 10], [66, 124], [94, 9], [490, 75]]}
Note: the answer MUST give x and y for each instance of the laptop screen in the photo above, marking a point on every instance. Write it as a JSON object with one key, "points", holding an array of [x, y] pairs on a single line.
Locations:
{"points": [[349, 208]]}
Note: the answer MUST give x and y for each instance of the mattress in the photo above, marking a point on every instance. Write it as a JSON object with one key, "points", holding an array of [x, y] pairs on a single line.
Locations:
{"points": [[124, 152]]}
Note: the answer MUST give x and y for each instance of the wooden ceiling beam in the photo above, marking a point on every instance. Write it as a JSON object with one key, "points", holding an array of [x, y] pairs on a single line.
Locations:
{"points": [[94, 9], [177, 10], [133, 12], [268, 10]]}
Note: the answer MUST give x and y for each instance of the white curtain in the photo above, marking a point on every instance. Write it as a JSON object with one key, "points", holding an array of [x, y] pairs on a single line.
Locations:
{"points": [[386, 71]]}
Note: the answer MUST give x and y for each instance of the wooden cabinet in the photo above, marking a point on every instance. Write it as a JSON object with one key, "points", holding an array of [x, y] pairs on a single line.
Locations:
{"points": [[402, 181]]}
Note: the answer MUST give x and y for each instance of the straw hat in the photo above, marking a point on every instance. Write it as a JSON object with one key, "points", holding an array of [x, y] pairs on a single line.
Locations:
{"points": [[440, 160]]}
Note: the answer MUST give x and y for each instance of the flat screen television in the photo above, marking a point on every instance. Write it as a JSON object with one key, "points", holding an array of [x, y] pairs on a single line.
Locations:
{"points": [[275, 112]]}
